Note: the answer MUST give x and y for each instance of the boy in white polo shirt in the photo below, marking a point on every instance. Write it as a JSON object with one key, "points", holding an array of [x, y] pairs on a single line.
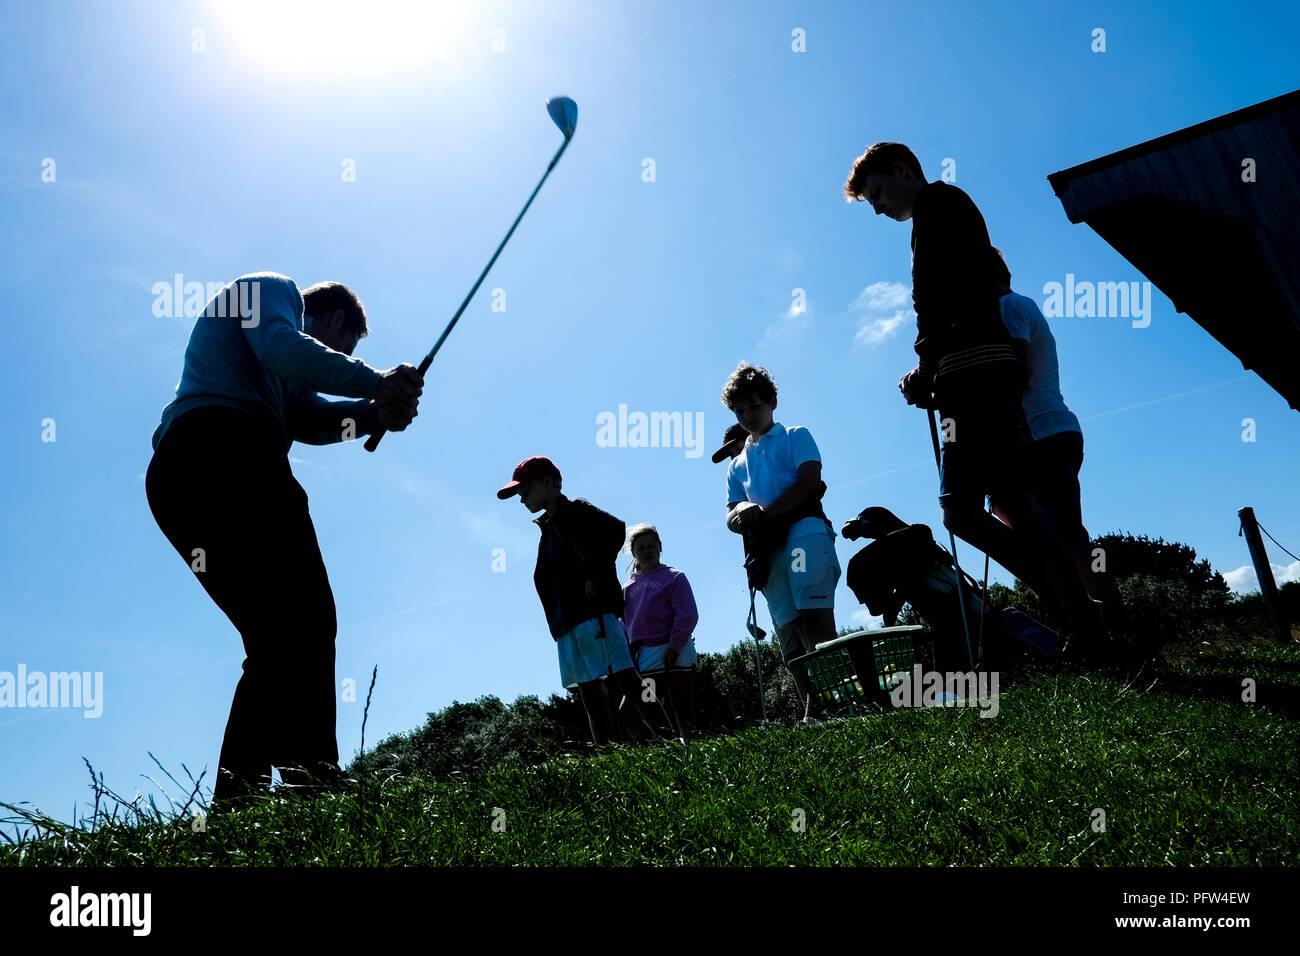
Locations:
{"points": [[775, 483]]}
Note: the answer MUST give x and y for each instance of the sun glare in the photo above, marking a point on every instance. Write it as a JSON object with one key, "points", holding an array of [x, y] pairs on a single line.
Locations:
{"points": [[344, 36]]}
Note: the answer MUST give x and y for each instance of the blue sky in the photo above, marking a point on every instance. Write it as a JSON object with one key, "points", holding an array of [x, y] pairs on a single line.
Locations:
{"points": [[229, 159]]}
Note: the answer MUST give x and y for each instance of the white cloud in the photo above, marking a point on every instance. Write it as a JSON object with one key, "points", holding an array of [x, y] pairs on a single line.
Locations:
{"points": [[875, 331], [882, 308], [881, 296], [1244, 581]]}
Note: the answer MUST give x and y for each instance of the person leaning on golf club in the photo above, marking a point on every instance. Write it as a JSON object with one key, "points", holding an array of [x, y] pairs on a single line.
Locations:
{"points": [[221, 489], [968, 370], [577, 581], [774, 485]]}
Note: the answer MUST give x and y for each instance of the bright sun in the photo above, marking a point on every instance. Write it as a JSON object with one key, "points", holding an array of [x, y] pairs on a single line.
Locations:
{"points": [[344, 36]]}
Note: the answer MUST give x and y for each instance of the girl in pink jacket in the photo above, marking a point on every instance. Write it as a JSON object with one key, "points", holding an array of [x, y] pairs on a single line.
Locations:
{"points": [[659, 617]]}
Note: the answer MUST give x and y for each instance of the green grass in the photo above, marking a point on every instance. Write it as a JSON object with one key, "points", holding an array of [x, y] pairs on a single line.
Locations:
{"points": [[1188, 776]]}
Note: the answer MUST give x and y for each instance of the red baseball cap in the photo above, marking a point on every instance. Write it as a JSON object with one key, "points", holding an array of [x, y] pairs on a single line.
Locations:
{"points": [[527, 470]]}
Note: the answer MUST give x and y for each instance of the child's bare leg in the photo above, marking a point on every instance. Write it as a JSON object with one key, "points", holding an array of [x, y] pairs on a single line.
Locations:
{"points": [[1009, 548], [817, 626], [595, 700], [650, 713], [628, 719], [790, 637], [682, 697]]}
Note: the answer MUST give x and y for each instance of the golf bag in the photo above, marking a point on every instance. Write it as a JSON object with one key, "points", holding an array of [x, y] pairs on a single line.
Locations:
{"points": [[905, 565]]}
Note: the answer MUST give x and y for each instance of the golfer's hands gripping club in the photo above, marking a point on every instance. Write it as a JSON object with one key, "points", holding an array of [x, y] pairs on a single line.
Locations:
{"points": [[398, 396], [917, 388], [744, 516]]}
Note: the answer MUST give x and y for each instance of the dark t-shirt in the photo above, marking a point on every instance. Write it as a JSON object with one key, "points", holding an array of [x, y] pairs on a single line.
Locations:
{"points": [[961, 339], [579, 543]]}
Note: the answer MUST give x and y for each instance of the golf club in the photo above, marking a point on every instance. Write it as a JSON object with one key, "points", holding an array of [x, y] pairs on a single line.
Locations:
{"points": [[984, 593], [952, 540], [564, 113], [758, 634]]}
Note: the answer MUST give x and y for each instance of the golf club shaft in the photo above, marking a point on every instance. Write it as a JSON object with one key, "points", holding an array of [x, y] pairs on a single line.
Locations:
{"points": [[984, 593], [758, 653], [373, 441], [952, 540]]}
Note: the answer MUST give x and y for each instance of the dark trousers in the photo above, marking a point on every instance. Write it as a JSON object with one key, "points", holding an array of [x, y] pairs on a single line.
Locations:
{"points": [[1055, 462], [984, 457], [220, 488]]}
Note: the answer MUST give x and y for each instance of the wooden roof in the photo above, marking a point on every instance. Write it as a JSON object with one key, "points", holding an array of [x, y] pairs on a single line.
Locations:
{"points": [[1225, 250]]}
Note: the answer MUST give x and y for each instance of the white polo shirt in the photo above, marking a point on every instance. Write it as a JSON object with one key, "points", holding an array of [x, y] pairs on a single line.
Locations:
{"points": [[763, 471]]}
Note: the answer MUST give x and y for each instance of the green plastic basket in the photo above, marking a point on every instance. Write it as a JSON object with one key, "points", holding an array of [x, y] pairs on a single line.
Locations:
{"points": [[856, 672]]}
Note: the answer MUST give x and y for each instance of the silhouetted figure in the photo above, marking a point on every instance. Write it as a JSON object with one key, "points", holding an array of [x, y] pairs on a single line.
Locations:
{"points": [[220, 487], [969, 371]]}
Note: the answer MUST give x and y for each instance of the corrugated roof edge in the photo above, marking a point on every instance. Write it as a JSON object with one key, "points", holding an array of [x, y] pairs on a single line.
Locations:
{"points": [[1061, 180]]}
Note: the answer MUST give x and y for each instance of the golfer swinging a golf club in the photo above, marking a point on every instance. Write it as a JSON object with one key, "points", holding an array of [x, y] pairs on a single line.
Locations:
{"points": [[221, 490]]}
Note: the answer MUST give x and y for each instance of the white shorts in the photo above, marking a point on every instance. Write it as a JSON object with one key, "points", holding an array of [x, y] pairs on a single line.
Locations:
{"points": [[650, 660], [587, 655], [803, 577]]}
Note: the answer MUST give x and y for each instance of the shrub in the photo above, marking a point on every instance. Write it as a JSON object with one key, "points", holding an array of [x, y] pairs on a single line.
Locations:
{"points": [[727, 691], [470, 738]]}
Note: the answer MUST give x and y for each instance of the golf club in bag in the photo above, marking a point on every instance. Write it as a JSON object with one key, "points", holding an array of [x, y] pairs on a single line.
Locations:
{"points": [[564, 113]]}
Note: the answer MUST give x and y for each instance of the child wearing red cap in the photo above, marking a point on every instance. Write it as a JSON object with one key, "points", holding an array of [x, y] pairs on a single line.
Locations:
{"points": [[578, 584]]}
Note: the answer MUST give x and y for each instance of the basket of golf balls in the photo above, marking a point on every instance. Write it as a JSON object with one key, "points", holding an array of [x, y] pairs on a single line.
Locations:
{"points": [[855, 673]]}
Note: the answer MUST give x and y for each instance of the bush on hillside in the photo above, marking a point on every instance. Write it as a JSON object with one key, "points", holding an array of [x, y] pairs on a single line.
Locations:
{"points": [[727, 691], [469, 738]]}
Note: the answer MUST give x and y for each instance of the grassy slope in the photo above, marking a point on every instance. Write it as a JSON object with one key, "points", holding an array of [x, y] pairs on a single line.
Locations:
{"points": [[1191, 776]]}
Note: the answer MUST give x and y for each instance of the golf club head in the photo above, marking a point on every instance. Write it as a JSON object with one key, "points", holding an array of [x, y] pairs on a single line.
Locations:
{"points": [[564, 113], [756, 632]]}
